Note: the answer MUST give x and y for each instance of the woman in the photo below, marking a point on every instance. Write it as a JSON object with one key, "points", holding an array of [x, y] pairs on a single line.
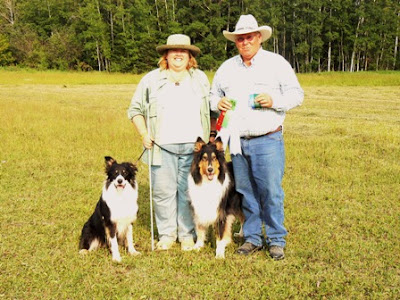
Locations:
{"points": [[175, 97]]}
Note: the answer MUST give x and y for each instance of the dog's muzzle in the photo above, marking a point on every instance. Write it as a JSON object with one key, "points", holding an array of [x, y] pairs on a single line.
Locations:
{"points": [[120, 183], [210, 173]]}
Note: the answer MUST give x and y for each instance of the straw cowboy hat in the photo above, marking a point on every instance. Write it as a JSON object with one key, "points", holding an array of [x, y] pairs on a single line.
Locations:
{"points": [[247, 24], [178, 41]]}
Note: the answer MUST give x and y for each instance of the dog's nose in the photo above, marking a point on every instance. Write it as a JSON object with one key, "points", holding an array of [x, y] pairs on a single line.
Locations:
{"points": [[210, 169], [119, 180]]}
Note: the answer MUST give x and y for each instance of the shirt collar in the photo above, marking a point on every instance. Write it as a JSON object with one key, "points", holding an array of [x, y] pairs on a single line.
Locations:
{"points": [[253, 60], [163, 79]]}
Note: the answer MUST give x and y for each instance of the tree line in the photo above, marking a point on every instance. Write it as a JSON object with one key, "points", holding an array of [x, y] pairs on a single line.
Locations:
{"points": [[121, 35]]}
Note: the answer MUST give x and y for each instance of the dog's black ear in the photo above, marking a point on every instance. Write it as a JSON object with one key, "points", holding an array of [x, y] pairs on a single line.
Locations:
{"points": [[109, 161], [199, 143], [133, 168]]}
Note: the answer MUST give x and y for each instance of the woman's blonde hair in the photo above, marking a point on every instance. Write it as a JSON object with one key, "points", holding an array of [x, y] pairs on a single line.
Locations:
{"points": [[163, 62]]}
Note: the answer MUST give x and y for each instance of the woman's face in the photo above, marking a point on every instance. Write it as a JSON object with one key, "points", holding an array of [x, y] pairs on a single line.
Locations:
{"points": [[178, 59]]}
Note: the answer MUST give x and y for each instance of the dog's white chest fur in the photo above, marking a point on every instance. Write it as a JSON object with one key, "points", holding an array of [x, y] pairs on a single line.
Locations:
{"points": [[206, 197], [122, 204]]}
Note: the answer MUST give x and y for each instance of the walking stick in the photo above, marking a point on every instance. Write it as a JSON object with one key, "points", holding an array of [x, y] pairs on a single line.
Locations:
{"points": [[149, 163]]}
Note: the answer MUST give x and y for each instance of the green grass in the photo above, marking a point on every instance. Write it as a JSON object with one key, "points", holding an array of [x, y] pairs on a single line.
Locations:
{"points": [[29, 76], [342, 187], [15, 76]]}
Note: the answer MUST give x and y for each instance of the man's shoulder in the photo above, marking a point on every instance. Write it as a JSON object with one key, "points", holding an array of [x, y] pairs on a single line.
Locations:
{"points": [[271, 56], [229, 63]]}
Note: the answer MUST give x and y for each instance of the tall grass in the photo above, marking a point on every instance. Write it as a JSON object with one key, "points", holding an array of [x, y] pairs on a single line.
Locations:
{"points": [[342, 186], [28, 76]]}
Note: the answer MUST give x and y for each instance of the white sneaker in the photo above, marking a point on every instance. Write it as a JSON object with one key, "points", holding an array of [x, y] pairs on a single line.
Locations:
{"points": [[164, 244], [187, 244]]}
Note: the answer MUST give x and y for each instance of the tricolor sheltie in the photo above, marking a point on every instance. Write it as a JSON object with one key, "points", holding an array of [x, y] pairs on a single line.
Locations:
{"points": [[213, 196], [115, 212]]}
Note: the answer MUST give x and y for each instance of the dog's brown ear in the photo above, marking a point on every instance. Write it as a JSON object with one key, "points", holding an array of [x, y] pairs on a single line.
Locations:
{"points": [[109, 161], [199, 143], [219, 144]]}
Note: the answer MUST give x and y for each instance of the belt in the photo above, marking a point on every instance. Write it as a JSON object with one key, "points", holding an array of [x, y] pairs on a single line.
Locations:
{"points": [[249, 137]]}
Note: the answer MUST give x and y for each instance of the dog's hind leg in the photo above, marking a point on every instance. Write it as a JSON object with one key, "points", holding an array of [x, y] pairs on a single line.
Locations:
{"points": [[129, 240], [240, 233], [226, 238]]}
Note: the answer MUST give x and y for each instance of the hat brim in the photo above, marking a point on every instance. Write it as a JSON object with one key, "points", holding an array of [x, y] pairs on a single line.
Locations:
{"points": [[193, 49], [265, 31]]}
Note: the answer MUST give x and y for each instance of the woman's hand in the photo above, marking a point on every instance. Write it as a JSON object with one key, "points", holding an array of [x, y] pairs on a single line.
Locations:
{"points": [[147, 141]]}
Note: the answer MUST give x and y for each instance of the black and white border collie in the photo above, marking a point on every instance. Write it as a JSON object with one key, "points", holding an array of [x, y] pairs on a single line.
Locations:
{"points": [[213, 196], [111, 222]]}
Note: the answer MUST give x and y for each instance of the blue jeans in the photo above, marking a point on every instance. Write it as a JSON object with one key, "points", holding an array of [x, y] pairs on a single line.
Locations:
{"points": [[170, 193], [258, 176]]}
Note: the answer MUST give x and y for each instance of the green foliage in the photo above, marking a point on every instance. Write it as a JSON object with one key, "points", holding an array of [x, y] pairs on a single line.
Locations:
{"points": [[5, 53], [121, 35], [342, 188]]}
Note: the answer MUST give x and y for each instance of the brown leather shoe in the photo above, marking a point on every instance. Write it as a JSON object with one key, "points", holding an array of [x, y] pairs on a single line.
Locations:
{"points": [[247, 249], [276, 252]]}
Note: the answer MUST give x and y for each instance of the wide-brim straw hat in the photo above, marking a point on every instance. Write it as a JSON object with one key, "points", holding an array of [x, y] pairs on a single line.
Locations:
{"points": [[248, 24], [178, 41]]}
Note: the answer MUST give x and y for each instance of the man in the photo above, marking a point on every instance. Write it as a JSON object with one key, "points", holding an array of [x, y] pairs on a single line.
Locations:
{"points": [[264, 86]]}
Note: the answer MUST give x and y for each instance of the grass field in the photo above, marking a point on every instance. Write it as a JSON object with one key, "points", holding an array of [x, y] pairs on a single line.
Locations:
{"points": [[342, 187]]}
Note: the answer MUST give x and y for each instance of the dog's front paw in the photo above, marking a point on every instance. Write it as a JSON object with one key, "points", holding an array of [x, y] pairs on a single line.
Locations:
{"points": [[83, 251], [198, 246], [134, 253], [220, 254], [117, 258]]}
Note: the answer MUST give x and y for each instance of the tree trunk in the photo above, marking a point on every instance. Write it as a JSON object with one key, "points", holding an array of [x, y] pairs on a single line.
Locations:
{"points": [[396, 45], [173, 10], [10, 16], [380, 57], [329, 56], [48, 9], [123, 16], [284, 38], [227, 26], [342, 53], [360, 21], [98, 55], [166, 9], [158, 16], [112, 29]]}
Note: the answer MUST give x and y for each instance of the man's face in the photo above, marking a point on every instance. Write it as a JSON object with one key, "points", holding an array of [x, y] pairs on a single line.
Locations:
{"points": [[248, 44]]}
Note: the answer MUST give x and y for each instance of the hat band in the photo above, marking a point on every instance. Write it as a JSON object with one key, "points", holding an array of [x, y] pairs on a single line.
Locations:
{"points": [[242, 28]]}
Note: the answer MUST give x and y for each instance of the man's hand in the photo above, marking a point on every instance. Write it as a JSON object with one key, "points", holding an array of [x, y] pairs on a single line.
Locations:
{"points": [[264, 100], [224, 104]]}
